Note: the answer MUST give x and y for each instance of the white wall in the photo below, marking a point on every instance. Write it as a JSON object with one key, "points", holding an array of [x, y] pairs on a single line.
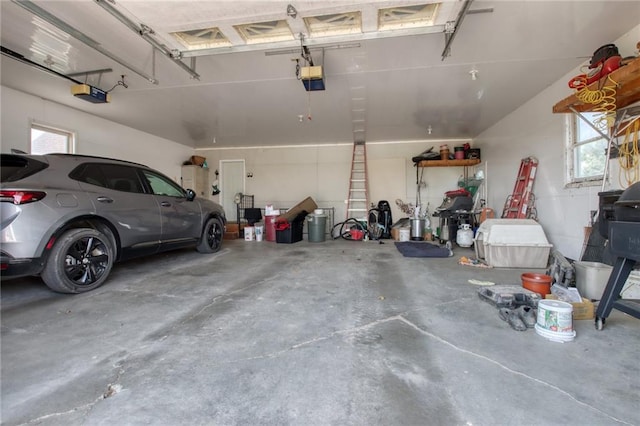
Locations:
{"points": [[94, 136], [533, 130], [283, 176]]}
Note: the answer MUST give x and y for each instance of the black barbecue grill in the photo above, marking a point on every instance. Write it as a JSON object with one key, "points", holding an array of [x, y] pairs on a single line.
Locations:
{"points": [[455, 210], [623, 230]]}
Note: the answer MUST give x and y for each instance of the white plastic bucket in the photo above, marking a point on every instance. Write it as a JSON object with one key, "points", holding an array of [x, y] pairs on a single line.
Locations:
{"points": [[248, 233], [405, 234], [259, 232], [555, 320]]}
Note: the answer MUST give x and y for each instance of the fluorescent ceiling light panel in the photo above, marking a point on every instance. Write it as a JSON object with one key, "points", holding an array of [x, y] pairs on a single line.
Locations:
{"points": [[395, 18]]}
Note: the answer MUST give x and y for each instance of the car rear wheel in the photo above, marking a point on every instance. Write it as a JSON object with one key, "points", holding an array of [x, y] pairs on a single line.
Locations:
{"points": [[80, 261], [211, 239]]}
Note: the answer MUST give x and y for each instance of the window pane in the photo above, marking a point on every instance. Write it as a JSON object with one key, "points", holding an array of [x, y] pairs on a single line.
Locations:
{"points": [[122, 178], [46, 142], [590, 159], [162, 186], [585, 131]]}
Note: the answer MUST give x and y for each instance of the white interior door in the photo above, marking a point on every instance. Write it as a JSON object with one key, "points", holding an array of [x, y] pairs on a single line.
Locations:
{"points": [[231, 182]]}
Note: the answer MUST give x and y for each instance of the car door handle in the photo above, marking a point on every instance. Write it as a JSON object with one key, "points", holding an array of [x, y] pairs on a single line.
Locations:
{"points": [[165, 204], [105, 200]]}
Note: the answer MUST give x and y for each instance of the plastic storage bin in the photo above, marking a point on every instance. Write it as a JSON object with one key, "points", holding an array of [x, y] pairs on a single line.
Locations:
{"points": [[591, 278], [512, 243], [289, 232]]}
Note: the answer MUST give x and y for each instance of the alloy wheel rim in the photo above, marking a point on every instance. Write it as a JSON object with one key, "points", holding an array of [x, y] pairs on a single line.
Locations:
{"points": [[86, 261], [214, 236]]}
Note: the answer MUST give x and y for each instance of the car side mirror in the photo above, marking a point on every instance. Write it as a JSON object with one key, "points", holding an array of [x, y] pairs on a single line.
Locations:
{"points": [[191, 194]]}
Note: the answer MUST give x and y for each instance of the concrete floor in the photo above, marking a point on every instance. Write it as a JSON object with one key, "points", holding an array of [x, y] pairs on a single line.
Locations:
{"points": [[333, 333]]}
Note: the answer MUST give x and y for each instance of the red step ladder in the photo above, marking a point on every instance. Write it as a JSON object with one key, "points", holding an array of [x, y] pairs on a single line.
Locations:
{"points": [[521, 204]]}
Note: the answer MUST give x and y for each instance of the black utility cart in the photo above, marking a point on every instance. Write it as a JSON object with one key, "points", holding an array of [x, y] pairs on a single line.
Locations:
{"points": [[624, 243]]}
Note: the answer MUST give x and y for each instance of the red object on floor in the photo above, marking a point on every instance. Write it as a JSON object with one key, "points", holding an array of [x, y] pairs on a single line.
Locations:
{"points": [[270, 228]]}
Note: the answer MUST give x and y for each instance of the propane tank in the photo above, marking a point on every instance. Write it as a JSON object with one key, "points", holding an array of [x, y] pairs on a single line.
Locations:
{"points": [[464, 236]]}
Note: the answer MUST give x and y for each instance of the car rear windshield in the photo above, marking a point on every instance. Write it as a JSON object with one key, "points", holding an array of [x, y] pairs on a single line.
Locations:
{"points": [[15, 167]]}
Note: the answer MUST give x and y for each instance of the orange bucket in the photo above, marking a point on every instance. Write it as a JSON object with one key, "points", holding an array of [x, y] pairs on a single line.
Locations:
{"points": [[539, 283]]}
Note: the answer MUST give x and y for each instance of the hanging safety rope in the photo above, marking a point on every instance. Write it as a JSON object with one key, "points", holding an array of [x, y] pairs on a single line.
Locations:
{"points": [[308, 61]]}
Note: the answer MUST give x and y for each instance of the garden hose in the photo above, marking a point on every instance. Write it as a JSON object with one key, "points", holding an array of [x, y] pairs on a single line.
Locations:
{"points": [[346, 233], [604, 100], [629, 155]]}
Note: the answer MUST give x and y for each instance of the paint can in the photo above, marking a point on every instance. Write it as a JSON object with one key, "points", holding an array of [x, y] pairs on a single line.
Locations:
{"points": [[405, 234], [555, 320], [444, 152], [458, 152]]}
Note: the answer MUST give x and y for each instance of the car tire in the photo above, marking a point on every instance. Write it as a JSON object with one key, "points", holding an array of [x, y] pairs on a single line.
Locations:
{"points": [[211, 239], [80, 261]]}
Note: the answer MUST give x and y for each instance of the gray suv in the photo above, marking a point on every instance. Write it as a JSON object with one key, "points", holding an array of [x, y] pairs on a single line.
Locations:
{"points": [[68, 218]]}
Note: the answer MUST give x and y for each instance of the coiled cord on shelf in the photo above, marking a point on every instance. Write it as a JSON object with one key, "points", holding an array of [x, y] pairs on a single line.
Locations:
{"points": [[603, 99], [629, 155]]}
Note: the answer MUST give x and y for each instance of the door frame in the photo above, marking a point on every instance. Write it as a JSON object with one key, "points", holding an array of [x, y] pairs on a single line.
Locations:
{"points": [[232, 208]]}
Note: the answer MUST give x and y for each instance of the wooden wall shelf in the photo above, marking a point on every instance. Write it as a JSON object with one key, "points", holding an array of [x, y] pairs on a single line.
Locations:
{"points": [[628, 92], [448, 163]]}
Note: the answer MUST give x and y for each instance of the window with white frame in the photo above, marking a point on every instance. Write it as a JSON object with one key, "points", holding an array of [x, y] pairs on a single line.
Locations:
{"points": [[46, 140], [587, 149]]}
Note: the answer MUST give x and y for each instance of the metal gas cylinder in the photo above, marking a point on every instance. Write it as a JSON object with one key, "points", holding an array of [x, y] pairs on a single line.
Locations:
{"points": [[464, 236]]}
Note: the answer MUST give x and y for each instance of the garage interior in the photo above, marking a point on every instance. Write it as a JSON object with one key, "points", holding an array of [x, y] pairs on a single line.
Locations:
{"points": [[331, 332]]}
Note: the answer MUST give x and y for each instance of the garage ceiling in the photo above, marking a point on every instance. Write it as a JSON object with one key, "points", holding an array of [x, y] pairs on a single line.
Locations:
{"points": [[386, 72]]}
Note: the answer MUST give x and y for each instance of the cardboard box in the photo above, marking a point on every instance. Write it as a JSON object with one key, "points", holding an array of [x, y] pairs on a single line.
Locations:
{"points": [[232, 227], [581, 310], [307, 205], [198, 160]]}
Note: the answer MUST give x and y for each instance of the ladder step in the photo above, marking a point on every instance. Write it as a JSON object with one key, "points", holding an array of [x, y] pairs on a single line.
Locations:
{"points": [[357, 200]]}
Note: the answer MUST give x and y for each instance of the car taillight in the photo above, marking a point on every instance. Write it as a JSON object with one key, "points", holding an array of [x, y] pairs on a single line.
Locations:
{"points": [[21, 197]]}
